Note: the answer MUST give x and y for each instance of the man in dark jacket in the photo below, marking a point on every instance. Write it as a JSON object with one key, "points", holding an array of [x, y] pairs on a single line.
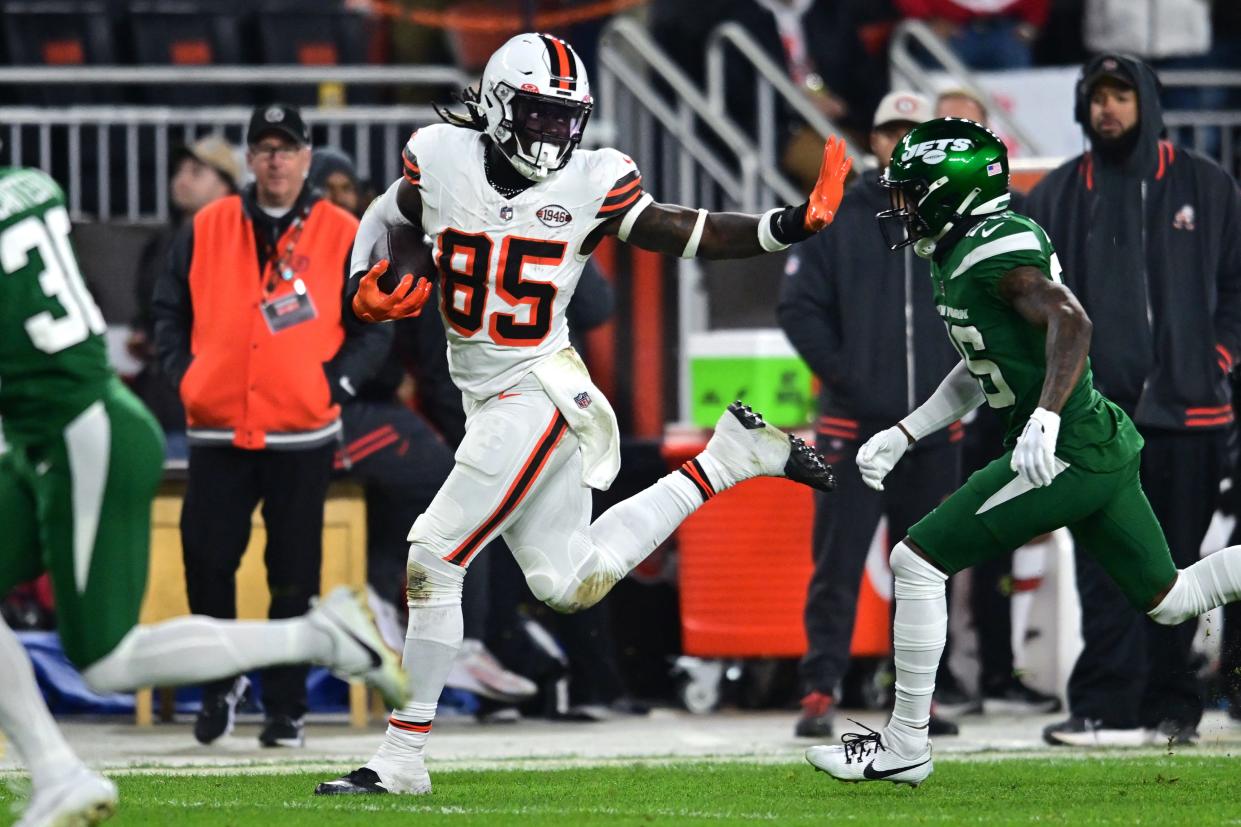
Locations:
{"points": [[1149, 235], [852, 311]]}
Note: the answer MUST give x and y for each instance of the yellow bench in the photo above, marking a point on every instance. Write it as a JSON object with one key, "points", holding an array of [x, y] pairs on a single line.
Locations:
{"points": [[344, 562]]}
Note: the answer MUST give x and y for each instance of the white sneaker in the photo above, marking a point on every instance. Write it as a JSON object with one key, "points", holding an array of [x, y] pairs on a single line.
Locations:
{"points": [[866, 758], [358, 650], [79, 799], [477, 670], [746, 446]]}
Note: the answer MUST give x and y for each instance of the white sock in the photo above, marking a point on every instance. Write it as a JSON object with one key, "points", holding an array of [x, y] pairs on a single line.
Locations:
{"points": [[1213, 581], [432, 641], [919, 632], [630, 530], [1029, 566], [195, 649], [24, 716]]}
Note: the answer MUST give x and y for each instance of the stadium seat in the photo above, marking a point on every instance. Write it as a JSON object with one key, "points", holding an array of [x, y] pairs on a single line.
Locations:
{"points": [[188, 34], [309, 34], [51, 33]]}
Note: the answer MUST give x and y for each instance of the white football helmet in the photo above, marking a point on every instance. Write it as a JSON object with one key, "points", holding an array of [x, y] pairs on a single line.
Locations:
{"points": [[536, 100]]}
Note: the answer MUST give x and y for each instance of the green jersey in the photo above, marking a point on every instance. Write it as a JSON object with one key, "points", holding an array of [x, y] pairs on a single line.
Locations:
{"points": [[53, 361], [1006, 354]]}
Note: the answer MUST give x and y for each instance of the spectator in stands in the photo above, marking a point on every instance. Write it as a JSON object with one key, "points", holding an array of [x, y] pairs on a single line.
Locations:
{"points": [[205, 170], [995, 34], [1001, 590], [333, 173], [249, 327], [852, 310], [1147, 233]]}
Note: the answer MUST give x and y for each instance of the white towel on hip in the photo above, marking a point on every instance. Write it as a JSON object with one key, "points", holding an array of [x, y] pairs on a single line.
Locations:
{"points": [[590, 416]]}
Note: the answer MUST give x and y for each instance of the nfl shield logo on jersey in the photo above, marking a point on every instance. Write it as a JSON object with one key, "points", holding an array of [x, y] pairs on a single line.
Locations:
{"points": [[583, 400], [506, 213]]}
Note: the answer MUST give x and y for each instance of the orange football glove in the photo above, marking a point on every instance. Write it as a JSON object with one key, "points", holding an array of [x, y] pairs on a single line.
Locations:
{"points": [[370, 304], [830, 188]]}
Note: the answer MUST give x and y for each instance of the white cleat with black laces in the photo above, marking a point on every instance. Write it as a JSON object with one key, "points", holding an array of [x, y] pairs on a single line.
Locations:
{"points": [[747, 446], [865, 758]]}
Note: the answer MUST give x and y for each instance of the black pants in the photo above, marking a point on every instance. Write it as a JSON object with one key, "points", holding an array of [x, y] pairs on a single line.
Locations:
{"points": [[1134, 672], [844, 524], [225, 484]]}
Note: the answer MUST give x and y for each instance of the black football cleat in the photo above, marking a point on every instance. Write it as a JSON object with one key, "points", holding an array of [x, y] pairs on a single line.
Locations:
{"points": [[362, 781]]}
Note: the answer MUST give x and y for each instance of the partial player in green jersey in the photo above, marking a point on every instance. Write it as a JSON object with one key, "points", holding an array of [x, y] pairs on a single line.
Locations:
{"points": [[82, 461], [1071, 457]]}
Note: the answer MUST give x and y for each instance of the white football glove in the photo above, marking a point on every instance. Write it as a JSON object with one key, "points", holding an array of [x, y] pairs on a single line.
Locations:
{"points": [[1034, 455], [880, 454]]}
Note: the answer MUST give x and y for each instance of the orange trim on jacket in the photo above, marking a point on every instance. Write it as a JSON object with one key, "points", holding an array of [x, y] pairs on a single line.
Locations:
{"points": [[244, 378]]}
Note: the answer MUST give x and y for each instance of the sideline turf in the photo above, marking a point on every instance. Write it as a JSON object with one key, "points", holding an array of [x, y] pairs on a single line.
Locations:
{"points": [[1105, 790]]}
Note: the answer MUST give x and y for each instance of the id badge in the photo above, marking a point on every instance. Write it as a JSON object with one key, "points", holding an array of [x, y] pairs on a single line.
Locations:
{"points": [[289, 310]]}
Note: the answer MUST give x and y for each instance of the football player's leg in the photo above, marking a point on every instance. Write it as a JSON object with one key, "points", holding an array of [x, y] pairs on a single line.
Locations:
{"points": [[23, 715], [1129, 543], [509, 446], [94, 507]]}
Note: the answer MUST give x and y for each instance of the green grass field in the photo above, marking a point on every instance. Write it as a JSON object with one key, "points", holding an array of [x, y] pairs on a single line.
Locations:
{"points": [[1104, 790]]}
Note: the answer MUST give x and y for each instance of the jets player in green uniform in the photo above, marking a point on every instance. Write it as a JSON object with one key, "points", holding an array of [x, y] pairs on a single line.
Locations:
{"points": [[82, 464], [1072, 456]]}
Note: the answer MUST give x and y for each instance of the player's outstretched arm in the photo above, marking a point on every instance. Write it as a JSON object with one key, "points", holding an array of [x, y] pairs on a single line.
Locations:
{"points": [[687, 233], [1053, 306]]}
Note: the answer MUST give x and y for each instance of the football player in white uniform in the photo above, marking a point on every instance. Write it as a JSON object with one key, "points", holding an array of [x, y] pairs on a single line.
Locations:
{"points": [[514, 209]]}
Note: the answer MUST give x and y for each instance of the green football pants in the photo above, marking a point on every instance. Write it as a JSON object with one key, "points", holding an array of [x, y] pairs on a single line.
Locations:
{"points": [[78, 506], [996, 512]]}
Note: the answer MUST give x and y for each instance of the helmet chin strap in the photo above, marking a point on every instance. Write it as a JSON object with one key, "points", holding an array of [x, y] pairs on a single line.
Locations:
{"points": [[925, 247]]}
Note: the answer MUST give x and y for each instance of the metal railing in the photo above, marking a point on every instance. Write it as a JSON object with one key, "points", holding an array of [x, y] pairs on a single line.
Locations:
{"points": [[693, 155], [770, 80], [907, 71], [115, 161], [1213, 132]]}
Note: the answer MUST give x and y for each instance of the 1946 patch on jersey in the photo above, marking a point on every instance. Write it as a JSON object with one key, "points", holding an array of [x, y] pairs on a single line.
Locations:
{"points": [[554, 215]]}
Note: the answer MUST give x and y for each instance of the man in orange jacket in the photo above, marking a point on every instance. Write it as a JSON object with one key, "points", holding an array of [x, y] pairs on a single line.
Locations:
{"points": [[249, 326]]}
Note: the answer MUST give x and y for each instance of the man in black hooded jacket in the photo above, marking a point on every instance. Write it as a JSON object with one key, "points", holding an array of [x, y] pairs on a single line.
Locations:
{"points": [[1149, 236]]}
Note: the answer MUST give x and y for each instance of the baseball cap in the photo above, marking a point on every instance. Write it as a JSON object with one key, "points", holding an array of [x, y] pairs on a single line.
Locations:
{"points": [[1112, 68], [903, 106], [215, 152], [278, 117]]}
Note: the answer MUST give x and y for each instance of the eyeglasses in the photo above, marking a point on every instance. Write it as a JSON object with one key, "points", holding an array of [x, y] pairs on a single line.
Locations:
{"points": [[284, 152]]}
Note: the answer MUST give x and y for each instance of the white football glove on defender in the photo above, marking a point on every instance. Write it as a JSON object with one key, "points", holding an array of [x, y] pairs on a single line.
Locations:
{"points": [[879, 455], [1034, 455]]}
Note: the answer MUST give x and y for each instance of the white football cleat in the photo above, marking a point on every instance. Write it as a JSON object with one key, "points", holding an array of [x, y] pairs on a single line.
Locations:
{"points": [[748, 447], [78, 799], [358, 650], [477, 670], [865, 758]]}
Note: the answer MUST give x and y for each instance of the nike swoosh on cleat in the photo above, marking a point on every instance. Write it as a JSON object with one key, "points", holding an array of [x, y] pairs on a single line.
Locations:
{"points": [[376, 659], [507, 395], [877, 775]]}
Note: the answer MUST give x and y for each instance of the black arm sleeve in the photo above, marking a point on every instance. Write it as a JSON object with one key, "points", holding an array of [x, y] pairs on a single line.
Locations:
{"points": [[363, 351], [172, 309], [808, 306]]}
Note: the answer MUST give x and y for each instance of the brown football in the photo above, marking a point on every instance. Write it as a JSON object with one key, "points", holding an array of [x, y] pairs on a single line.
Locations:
{"points": [[406, 250]]}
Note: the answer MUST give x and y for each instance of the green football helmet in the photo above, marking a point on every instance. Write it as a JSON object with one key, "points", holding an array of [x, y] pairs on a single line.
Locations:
{"points": [[942, 171]]}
